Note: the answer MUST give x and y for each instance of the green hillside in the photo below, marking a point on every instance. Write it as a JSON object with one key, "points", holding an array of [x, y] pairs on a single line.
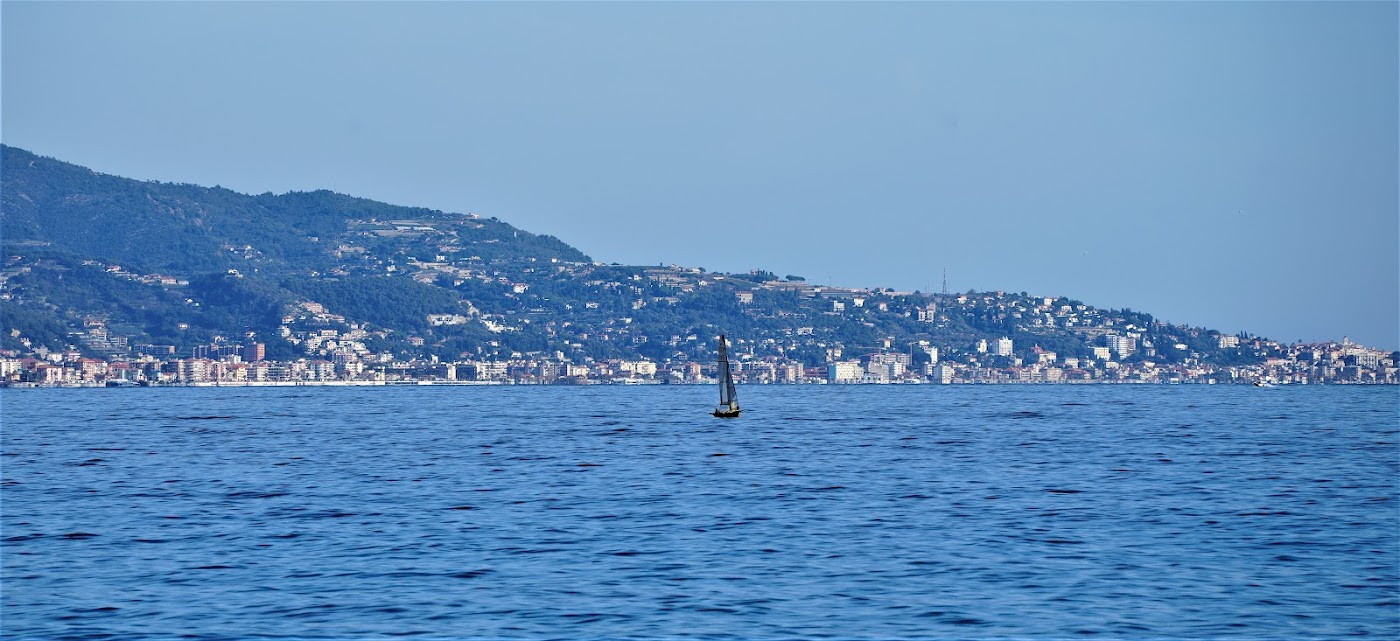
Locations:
{"points": [[183, 266], [188, 229]]}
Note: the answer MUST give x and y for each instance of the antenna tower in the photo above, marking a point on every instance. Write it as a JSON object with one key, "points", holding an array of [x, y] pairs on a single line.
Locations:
{"points": [[945, 281]]}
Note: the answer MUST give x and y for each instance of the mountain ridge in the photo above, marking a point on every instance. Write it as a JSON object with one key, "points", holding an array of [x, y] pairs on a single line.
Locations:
{"points": [[75, 201], [183, 269]]}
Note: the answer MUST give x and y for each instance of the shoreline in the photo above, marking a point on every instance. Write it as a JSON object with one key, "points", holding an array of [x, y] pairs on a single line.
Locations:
{"points": [[282, 384]]}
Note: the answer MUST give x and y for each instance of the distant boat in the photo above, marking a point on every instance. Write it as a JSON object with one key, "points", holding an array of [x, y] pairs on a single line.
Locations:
{"points": [[1263, 384], [728, 397]]}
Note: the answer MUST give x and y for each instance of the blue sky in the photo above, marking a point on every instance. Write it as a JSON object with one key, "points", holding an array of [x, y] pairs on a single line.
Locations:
{"points": [[1232, 165]]}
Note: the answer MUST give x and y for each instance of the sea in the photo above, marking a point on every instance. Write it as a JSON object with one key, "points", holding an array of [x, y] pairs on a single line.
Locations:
{"points": [[628, 512]]}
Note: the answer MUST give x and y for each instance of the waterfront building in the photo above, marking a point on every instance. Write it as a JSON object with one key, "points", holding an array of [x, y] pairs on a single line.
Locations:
{"points": [[845, 372], [885, 367], [640, 369]]}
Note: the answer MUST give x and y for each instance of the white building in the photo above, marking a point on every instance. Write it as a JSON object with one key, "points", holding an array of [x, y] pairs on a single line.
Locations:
{"points": [[1121, 345], [885, 367], [845, 372], [643, 369]]}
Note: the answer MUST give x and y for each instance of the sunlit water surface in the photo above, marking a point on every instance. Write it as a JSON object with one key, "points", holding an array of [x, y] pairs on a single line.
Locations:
{"points": [[605, 512]]}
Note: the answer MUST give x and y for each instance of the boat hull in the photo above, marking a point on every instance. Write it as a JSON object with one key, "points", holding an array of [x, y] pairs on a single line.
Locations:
{"points": [[727, 413]]}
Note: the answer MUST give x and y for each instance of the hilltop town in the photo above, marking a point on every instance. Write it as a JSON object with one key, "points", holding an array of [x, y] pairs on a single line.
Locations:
{"points": [[111, 281]]}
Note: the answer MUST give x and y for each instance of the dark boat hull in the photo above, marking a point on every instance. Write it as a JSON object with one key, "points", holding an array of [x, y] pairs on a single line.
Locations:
{"points": [[727, 413]]}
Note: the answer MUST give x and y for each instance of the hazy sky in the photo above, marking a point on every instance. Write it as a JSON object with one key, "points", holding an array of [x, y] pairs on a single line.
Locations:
{"points": [[1219, 164]]}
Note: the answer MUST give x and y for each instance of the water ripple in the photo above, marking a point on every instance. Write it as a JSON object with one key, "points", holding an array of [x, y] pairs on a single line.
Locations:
{"points": [[852, 512]]}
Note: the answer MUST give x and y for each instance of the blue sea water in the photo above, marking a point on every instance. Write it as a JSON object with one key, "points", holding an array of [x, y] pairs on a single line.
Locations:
{"points": [[610, 512]]}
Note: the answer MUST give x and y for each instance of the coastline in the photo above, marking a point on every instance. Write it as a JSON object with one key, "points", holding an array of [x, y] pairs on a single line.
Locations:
{"points": [[508, 383]]}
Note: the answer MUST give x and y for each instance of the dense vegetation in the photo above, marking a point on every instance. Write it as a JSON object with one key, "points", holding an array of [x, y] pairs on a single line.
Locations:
{"points": [[186, 229], [381, 301]]}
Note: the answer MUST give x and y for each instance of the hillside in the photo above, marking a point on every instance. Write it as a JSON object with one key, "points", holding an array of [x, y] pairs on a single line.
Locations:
{"points": [[187, 229], [181, 264], [117, 268]]}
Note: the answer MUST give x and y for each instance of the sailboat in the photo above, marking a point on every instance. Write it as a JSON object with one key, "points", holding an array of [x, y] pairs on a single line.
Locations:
{"points": [[728, 399]]}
